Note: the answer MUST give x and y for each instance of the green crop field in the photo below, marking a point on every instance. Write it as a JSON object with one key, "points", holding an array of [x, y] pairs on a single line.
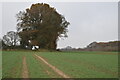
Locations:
{"points": [[59, 64]]}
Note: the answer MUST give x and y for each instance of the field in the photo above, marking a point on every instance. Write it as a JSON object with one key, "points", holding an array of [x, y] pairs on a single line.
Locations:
{"points": [[33, 64]]}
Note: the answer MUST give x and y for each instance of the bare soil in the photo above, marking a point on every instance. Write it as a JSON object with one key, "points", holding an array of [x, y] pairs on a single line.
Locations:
{"points": [[53, 67], [25, 73]]}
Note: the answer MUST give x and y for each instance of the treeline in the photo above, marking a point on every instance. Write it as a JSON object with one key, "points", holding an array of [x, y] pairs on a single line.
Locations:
{"points": [[104, 46], [97, 46]]}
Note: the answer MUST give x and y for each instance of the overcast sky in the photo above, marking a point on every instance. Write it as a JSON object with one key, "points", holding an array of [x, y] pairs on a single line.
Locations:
{"points": [[89, 21]]}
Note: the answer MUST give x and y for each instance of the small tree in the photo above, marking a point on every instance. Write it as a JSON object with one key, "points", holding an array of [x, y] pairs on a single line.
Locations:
{"points": [[11, 39]]}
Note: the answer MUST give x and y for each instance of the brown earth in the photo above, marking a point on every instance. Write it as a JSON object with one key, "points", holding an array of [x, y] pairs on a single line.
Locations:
{"points": [[53, 67], [46, 70], [25, 73]]}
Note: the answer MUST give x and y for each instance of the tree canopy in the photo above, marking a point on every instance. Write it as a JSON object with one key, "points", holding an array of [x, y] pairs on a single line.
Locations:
{"points": [[41, 25], [11, 38]]}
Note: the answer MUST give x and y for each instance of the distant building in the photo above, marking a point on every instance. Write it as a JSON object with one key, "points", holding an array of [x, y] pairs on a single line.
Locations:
{"points": [[68, 47]]}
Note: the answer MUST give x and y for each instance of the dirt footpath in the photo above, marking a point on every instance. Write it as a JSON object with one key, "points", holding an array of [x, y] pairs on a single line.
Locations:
{"points": [[25, 69], [53, 67]]}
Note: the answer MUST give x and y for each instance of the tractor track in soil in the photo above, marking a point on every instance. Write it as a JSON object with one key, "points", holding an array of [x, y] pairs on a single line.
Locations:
{"points": [[25, 73], [55, 69]]}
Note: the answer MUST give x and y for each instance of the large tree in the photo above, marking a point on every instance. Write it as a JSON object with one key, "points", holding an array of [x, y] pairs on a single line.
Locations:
{"points": [[41, 25]]}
